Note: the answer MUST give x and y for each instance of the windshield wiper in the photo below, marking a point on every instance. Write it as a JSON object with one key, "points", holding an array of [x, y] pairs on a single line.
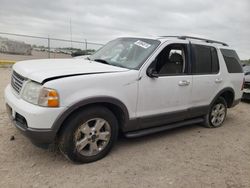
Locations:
{"points": [[105, 62], [118, 65], [102, 61]]}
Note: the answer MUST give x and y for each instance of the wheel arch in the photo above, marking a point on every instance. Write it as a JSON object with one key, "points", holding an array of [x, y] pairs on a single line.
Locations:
{"points": [[228, 94], [114, 105]]}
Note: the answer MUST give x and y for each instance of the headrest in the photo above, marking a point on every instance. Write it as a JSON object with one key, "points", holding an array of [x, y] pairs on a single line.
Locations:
{"points": [[175, 57]]}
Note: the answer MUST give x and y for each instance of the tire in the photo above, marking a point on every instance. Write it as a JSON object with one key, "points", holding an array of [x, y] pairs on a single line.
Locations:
{"points": [[217, 114], [88, 135]]}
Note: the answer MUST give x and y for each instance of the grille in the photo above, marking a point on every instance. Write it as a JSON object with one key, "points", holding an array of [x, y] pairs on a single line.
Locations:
{"points": [[247, 85], [17, 82]]}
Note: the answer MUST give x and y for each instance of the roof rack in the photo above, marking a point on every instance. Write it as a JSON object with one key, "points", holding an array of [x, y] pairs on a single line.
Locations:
{"points": [[198, 38]]}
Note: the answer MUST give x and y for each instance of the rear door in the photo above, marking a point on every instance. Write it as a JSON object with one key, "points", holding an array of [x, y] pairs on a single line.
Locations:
{"points": [[207, 78]]}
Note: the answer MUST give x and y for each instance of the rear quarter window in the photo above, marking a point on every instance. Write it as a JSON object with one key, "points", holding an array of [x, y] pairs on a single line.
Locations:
{"points": [[232, 61]]}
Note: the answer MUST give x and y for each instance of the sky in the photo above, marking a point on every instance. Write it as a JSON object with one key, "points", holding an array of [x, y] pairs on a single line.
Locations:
{"points": [[103, 20]]}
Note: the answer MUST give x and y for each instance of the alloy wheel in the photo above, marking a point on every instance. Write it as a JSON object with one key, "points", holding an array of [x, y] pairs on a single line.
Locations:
{"points": [[92, 137], [218, 114]]}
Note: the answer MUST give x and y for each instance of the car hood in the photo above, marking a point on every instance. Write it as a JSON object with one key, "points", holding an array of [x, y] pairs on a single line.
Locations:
{"points": [[40, 70]]}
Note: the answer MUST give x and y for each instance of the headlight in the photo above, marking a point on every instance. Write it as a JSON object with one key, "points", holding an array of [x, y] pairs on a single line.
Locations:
{"points": [[37, 94], [31, 92]]}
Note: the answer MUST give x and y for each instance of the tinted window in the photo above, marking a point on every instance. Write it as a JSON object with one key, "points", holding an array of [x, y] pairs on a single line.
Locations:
{"points": [[205, 60], [232, 61], [215, 61]]}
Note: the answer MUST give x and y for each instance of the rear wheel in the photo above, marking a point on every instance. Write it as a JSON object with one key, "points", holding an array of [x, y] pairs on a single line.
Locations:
{"points": [[89, 135], [217, 114]]}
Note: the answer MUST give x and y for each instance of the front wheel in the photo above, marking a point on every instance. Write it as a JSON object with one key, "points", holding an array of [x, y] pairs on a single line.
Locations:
{"points": [[217, 114], [89, 135]]}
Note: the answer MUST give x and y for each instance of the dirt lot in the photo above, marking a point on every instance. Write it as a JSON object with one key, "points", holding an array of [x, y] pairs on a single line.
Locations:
{"points": [[186, 157]]}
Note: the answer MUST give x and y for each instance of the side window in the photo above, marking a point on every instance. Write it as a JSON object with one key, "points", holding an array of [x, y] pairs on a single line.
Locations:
{"points": [[232, 61], [172, 60], [215, 61], [205, 60]]}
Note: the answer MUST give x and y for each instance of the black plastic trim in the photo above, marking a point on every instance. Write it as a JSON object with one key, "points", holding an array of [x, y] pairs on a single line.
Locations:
{"points": [[165, 118], [39, 137], [190, 57], [198, 111], [220, 93], [236, 102], [160, 119], [101, 99], [153, 130]]}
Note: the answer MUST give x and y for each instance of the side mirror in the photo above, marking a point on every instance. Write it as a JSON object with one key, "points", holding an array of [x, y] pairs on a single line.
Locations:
{"points": [[152, 73]]}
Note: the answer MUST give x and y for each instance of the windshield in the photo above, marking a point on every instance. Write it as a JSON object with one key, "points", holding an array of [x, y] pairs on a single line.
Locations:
{"points": [[126, 52]]}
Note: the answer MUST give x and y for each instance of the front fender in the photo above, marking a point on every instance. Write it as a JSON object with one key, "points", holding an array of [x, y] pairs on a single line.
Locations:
{"points": [[94, 100]]}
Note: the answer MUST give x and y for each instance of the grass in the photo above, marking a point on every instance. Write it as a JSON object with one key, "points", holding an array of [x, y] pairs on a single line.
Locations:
{"points": [[6, 63]]}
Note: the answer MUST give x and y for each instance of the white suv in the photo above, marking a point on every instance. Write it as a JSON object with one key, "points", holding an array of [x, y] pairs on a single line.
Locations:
{"points": [[136, 86], [246, 91]]}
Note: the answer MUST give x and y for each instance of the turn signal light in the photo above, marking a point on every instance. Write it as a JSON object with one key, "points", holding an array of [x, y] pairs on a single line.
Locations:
{"points": [[49, 98]]}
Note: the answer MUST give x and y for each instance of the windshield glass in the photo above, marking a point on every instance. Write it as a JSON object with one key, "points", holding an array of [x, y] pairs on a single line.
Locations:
{"points": [[126, 52]]}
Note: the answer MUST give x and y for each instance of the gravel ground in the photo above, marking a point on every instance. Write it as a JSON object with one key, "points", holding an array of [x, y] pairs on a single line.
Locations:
{"points": [[190, 156]]}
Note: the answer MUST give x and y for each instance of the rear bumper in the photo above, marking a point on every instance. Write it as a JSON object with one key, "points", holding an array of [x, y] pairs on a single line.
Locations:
{"points": [[246, 94], [246, 90]]}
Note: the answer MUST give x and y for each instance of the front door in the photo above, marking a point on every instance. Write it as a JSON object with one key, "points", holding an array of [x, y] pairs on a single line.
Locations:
{"points": [[165, 97]]}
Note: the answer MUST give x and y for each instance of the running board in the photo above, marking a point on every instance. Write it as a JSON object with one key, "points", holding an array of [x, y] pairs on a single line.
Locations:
{"points": [[153, 130]]}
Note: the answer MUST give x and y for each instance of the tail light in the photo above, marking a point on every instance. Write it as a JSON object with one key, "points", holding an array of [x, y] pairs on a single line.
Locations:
{"points": [[243, 83]]}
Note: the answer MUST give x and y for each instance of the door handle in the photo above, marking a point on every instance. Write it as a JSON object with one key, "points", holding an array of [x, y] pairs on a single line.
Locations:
{"points": [[184, 83], [218, 80]]}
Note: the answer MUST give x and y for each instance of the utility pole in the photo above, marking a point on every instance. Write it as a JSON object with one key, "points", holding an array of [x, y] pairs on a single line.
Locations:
{"points": [[70, 33], [48, 47], [86, 45]]}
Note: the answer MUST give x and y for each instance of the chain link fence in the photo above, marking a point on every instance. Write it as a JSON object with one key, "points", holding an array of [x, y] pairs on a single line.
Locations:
{"points": [[15, 46]]}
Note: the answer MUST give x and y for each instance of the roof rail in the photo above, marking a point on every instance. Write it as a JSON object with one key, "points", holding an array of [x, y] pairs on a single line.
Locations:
{"points": [[198, 38]]}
